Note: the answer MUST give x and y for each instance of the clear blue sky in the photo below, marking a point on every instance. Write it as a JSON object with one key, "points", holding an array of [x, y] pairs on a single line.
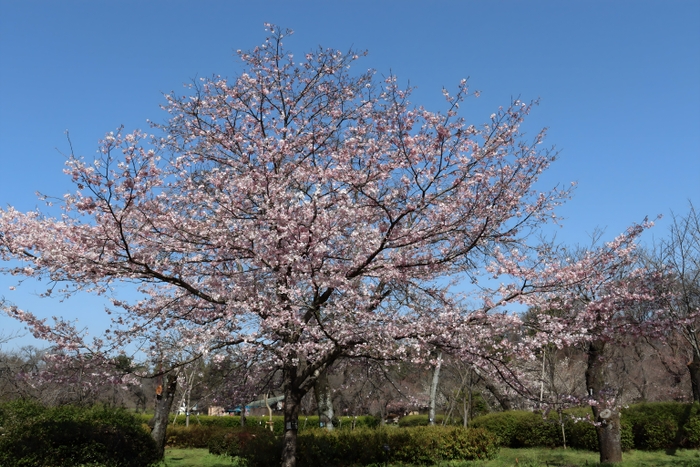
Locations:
{"points": [[619, 84]]}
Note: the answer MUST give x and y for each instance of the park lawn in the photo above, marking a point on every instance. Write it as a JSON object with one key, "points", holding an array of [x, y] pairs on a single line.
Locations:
{"points": [[195, 458], [542, 457], [532, 457]]}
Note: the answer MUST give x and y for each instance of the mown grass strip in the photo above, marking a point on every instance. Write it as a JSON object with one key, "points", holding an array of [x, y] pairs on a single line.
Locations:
{"points": [[530, 457]]}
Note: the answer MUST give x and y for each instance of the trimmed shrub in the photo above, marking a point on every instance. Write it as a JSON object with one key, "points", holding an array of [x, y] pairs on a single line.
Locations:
{"points": [[581, 434], [691, 431], [67, 436], [505, 425], [364, 446], [259, 447], [519, 429], [419, 420], [660, 434], [664, 425], [194, 436], [428, 445], [417, 445], [343, 423], [536, 430], [305, 422]]}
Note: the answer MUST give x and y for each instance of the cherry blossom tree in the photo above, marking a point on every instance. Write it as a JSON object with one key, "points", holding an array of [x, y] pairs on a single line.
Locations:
{"points": [[300, 214], [597, 308]]}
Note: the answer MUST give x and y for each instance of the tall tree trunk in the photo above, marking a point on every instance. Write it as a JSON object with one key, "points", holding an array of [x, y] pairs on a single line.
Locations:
{"points": [[164, 402], [607, 419], [187, 407], [433, 389], [324, 400], [502, 398], [694, 369], [292, 404]]}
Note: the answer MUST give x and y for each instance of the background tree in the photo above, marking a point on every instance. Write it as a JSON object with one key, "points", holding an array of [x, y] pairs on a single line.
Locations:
{"points": [[677, 258], [14, 367], [380, 388]]}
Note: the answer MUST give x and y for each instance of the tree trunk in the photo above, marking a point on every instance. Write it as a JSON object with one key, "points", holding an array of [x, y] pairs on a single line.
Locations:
{"points": [[561, 424], [502, 398], [187, 407], [694, 369], [607, 419], [292, 404], [433, 390], [324, 400], [468, 406], [164, 402]]}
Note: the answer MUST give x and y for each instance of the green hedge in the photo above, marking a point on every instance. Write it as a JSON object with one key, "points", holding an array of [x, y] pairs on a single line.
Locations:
{"points": [[582, 435], [522, 429], [194, 436], [305, 423], [363, 446], [419, 420], [66, 436], [649, 426], [644, 426], [258, 446], [664, 425], [505, 425], [197, 435]]}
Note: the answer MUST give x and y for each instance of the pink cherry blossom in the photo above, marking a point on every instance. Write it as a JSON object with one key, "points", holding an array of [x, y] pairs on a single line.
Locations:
{"points": [[299, 214]]}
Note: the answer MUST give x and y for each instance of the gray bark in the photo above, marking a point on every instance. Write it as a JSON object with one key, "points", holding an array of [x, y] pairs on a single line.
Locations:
{"points": [[324, 400], [433, 390]]}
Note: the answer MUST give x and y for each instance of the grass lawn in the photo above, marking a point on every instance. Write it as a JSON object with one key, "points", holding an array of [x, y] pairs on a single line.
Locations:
{"points": [[196, 458], [506, 458], [573, 458]]}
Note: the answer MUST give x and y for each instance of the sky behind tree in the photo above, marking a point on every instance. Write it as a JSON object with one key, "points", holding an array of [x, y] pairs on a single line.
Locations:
{"points": [[618, 84]]}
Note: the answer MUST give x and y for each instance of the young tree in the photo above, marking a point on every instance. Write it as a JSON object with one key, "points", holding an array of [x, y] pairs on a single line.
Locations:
{"points": [[300, 214]]}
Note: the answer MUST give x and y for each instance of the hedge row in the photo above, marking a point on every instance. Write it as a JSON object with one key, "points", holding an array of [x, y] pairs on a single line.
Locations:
{"points": [[364, 446], [420, 420], [305, 422], [664, 425], [521, 429], [650, 426], [66, 436]]}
